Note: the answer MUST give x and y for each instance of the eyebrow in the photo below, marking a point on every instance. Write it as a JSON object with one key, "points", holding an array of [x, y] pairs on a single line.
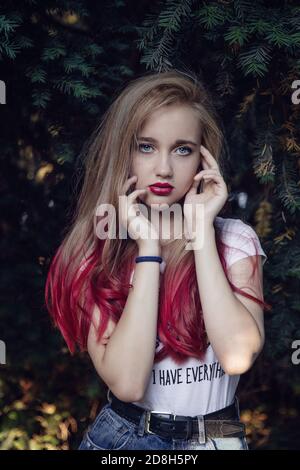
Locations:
{"points": [[177, 142]]}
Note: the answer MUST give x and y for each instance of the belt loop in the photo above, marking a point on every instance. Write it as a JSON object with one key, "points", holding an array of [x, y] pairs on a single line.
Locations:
{"points": [[201, 429], [142, 424]]}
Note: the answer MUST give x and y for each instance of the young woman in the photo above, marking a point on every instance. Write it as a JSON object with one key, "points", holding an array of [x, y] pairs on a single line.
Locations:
{"points": [[170, 305]]}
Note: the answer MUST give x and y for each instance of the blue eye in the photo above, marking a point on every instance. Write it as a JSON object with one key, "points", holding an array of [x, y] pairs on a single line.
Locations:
{"points": [[150, 146], [186, 148], [144, 145]]}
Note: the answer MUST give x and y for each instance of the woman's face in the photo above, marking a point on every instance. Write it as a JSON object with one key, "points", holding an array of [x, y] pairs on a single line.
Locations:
{"points": [[168, 151]]}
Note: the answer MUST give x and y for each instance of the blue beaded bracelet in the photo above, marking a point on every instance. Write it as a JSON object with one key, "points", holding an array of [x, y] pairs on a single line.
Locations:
{"points": [[139, 259]]}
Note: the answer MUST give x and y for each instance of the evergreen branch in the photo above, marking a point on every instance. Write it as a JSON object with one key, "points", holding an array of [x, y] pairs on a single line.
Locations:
{"points": [[157, 58], [172, 14], [36, 74], [147, 31], [77, 88], [277, 36], [12, 48], [54, 52], [237, 35], [211, 16], [9, 23], [77, 62], [40, 98], [93, 50], [255, 60], [289, 192], [242, 8]]}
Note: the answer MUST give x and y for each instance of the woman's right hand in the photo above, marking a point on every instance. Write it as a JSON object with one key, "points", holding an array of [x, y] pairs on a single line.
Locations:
{"points": [[132, 218]]}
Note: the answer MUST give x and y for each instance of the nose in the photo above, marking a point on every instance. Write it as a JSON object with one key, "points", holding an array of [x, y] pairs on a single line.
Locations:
{"points": [[164, 165]]}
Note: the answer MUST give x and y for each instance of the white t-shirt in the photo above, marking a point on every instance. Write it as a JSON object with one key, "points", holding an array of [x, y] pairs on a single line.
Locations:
{"points": [[200, 387]]}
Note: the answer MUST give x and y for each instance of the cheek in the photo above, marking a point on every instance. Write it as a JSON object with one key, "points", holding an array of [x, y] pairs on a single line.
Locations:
{"points": [[132, 169], [184, 183], [187, 185], [137, 168], [188, 169], [185, 178]]}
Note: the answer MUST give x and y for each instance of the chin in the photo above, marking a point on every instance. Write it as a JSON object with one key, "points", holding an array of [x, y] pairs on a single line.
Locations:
{"points": [[159, 203]]}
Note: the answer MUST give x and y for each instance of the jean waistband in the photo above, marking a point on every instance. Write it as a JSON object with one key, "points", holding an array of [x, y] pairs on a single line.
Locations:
{"points": [[221, 423]]}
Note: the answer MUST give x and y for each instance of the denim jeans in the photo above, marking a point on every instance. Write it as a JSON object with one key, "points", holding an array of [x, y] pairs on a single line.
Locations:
{"points": [[110, 431]]}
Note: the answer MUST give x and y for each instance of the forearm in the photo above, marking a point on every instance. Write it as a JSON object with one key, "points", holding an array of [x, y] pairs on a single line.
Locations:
{"points": [[131, 349], [231, 329]]}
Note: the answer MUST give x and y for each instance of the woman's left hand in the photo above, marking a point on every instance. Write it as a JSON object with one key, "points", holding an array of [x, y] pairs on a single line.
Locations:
{"points": [[213, 197]]}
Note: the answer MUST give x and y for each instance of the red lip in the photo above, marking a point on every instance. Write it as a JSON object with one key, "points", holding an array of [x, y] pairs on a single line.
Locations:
{"points": [[160, 191], [162, 185]]}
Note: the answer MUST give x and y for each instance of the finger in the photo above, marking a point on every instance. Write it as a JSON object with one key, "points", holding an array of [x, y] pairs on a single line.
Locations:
{"points": [[134, 210], [211, 171], [214, 177], [133, 196], [129, 182], [208, 177], [199, 180], [212, 162], [194, 187], [128, 207], [204, 164]]}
